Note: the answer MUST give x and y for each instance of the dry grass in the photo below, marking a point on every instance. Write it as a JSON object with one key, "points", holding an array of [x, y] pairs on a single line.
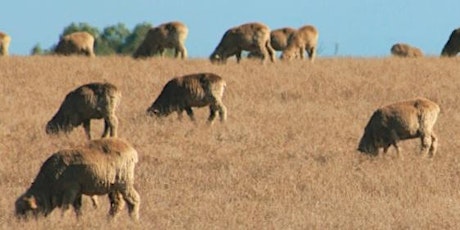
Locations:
{"points": [[286, 158]]}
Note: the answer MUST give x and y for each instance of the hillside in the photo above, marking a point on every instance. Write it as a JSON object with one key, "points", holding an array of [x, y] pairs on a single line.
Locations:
{"points": [[285, 159]]}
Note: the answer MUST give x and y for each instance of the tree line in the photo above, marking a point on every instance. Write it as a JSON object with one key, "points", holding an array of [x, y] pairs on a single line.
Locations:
{"points": [[111, 40]]}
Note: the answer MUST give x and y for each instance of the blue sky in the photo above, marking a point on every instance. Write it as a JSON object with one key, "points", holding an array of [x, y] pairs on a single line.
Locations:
{"points": [[356, 27]]}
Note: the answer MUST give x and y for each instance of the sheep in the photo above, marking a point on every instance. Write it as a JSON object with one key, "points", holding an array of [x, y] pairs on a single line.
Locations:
{"points": [[194, 90], [79, 43], [304, 39], [5, 40], [402, 120], [452, 46], [168, 35], [252, 37], [104, 166], [89, 101], [405, 50]]}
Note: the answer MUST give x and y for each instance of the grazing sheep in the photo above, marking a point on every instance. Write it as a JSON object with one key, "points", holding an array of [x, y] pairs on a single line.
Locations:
{"points": [[400, 121], [405, 50], [252, 37], [194, 90], [89, 101], [279, 40], [170, 35], [452, 47], [78, 43], [104, 166], [5, 40], [304, 39]]}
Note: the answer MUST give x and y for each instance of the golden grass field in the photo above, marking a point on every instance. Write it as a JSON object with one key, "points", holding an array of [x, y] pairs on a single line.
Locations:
{"points": [[285, 159]]}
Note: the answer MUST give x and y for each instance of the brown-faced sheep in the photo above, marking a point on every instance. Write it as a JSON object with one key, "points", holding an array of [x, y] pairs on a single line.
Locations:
{"points": [[405, 50], [5, 40], [89, 101], [304, 39], [78, 43], [452, 46], [252, 37], [279, 40], [400, 121], [170, 35], [104, 166], [194, 90]]}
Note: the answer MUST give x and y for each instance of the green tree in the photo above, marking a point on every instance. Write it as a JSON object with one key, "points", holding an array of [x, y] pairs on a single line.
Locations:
{"points": [[135, 38], [36, 50], [112, 39]]}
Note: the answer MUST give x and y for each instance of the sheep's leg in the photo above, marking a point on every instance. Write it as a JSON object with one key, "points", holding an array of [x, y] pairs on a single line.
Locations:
{"points": [[176, 53], [110, 124], [302, 53], [179, 114], [434, 145], [116, 203], [133, 201], [94, 201], [398, 149], [71, 197], [311, 53], [107, 126], [114, 126], [238, 56], [394, 139], [212, 113], [265, 55], [87, 128], [190, 113], [77, 203], [217, 106], [182, 51], [385, 148], [222, 112], [427, 145], [271, 52], [161, 51]]}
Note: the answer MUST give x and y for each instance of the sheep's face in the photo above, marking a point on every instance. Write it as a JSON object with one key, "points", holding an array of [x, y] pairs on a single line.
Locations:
{"points": [[216, 58], [26, 207], [157, 112], [52, 128], [288, 55], [368, 145], [153, 112]]}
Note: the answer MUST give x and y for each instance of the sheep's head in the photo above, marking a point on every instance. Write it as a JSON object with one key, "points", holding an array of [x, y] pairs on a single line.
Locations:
{"points": [[26, 206], [216, 58], [158, 110], [53, 128], [153, 112], [452, 47], [450, 50], [368, 145], [288, 55]]}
